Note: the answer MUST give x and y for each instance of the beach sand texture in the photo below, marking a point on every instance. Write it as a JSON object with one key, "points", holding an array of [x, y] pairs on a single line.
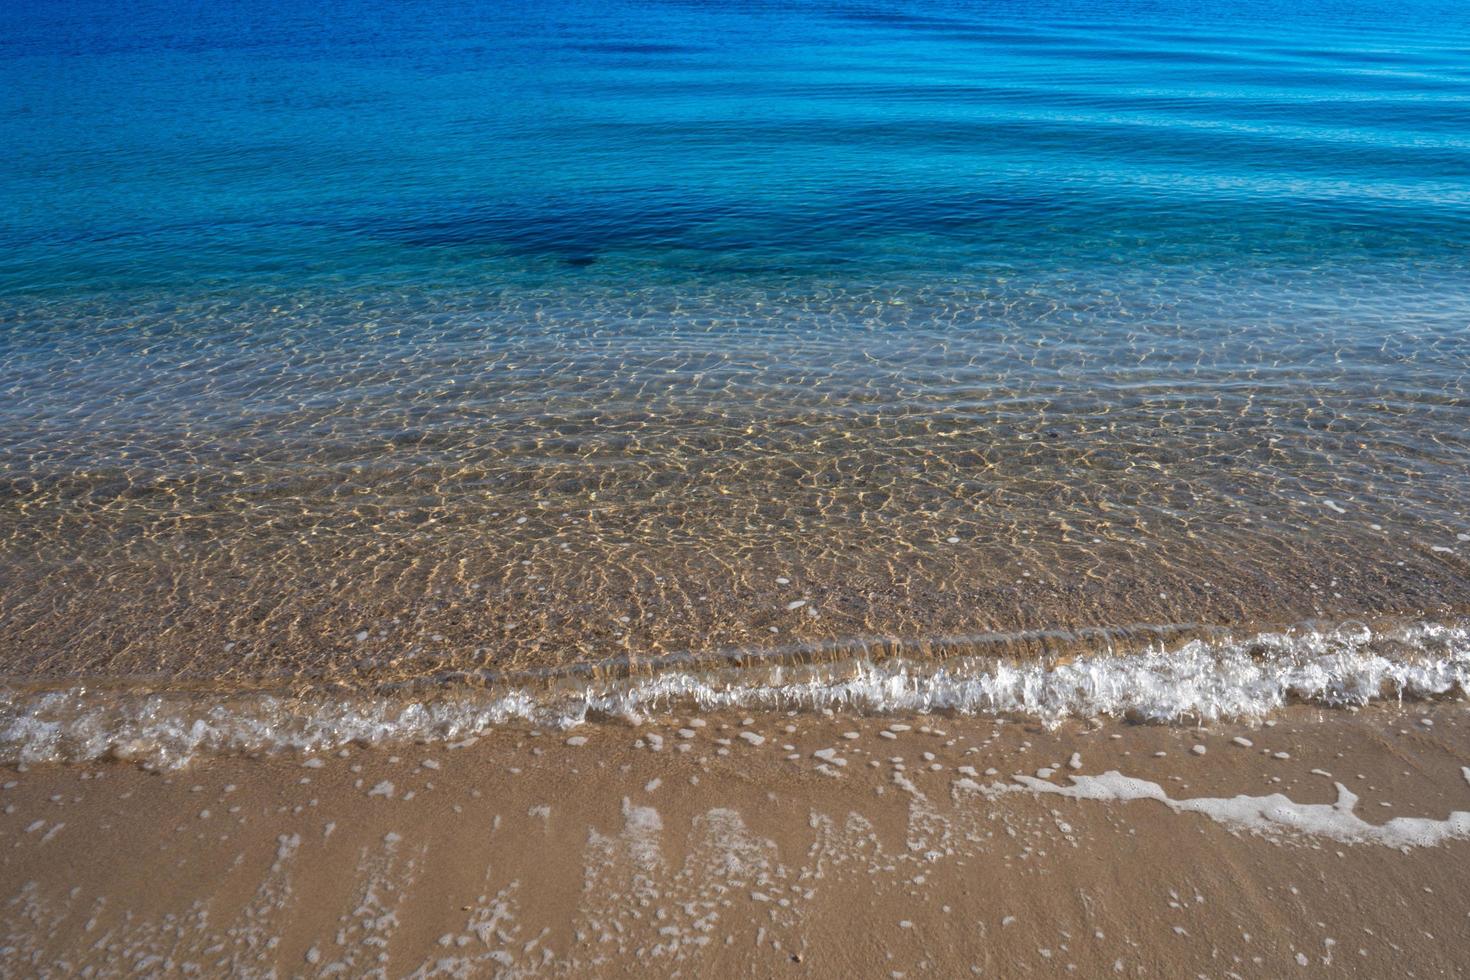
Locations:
{"points": [[767, 845]]}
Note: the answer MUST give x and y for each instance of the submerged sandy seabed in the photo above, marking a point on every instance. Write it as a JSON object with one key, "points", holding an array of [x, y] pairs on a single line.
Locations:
{"points": [[765, 844]]}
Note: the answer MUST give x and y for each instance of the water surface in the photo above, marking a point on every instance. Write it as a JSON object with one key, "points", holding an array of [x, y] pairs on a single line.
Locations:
{"points": [[360, 343]]}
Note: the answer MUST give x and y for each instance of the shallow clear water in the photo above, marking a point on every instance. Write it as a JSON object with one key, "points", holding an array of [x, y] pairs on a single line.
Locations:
{"points": [[364, 344]]}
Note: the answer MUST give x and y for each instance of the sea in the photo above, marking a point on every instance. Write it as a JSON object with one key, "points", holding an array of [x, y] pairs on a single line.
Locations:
{"points": [[374, 370]]}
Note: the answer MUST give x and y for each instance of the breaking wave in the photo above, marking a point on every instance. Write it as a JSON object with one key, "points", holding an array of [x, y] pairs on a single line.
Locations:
{"points": [[1199, 679]]}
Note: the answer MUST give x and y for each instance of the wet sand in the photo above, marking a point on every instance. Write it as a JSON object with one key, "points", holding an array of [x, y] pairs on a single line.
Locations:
{"points": [[763, 845]]}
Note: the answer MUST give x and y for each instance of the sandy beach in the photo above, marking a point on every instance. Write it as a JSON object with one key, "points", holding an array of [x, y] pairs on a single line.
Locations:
{"points": [[766, 845], [850, 488]]}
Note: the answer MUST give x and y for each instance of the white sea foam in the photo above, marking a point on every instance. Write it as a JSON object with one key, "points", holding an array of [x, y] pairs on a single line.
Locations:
{"points": [[1273, 815], [1244, 677]]}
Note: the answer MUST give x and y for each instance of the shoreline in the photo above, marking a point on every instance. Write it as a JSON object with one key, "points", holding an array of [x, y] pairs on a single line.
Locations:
{"points": [[704, 846], [1228, 676]]}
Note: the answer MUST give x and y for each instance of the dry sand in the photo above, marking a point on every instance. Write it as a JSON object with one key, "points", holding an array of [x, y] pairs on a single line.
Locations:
{"points": [[735, 850]]}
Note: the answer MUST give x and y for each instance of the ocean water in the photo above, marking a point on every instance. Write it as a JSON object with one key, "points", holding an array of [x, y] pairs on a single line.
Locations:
{"points": [[369, 348]]}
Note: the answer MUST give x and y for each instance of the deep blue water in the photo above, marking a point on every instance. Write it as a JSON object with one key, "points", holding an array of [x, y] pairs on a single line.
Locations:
{"points": [[166, 144], [964, 315]]}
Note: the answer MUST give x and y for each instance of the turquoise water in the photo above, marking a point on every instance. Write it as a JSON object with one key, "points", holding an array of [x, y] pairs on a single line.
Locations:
{"points": [[362, 338], [159, 146]]}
